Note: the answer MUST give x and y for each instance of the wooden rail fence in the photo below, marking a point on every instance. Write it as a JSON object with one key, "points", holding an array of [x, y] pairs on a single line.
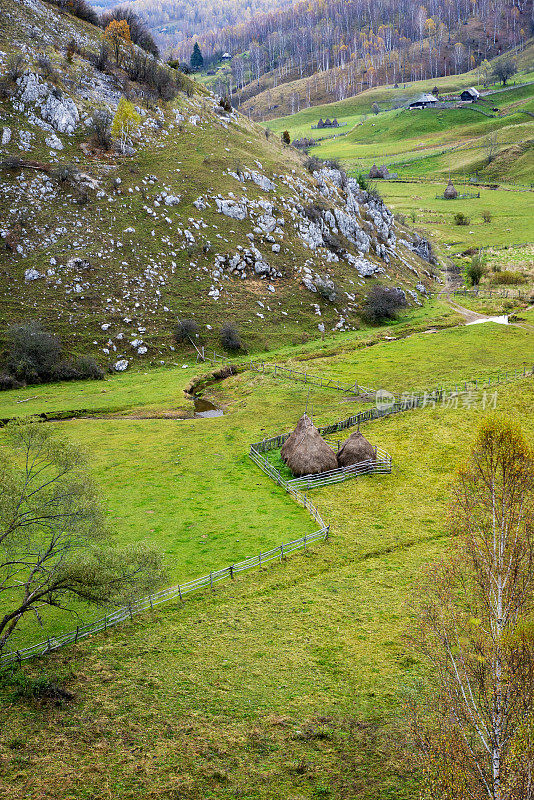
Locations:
{"points": [[174, 592], [127, 612]]}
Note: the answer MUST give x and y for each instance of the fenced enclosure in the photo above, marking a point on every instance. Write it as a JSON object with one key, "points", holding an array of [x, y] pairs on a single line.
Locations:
{"points": [[293, 487], [381, 464]]}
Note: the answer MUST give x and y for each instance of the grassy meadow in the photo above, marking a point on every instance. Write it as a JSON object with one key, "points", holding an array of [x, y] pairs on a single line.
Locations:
{"points": [[289, 680]]}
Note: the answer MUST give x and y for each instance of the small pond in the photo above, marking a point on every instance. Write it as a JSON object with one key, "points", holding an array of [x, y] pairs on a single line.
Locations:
{"points": [[203, 408]]}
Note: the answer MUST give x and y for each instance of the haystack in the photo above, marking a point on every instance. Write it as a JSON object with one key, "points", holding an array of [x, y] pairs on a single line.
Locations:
{"points": [[450, 192], [355, 450], [374, 172], [306, 452]]}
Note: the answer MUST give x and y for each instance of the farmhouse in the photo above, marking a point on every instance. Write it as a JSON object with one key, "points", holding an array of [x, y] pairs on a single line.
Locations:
{"points": [[306, 452], [424, 101], [470, 95]]}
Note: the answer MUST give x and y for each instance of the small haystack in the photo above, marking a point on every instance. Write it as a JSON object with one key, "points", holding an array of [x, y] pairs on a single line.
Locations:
{"points": [[450, 192], [374, 172], [355, 450], [306, 452]]}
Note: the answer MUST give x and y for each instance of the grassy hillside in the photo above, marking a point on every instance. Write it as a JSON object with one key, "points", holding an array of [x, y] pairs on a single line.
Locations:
{"points": [[289, 680], [133, 242], [271, 100]]}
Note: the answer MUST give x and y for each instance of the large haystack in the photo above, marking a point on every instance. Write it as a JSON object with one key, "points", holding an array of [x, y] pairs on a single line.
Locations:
{"points": [[450, 192], [306, 452], [355, 450]]}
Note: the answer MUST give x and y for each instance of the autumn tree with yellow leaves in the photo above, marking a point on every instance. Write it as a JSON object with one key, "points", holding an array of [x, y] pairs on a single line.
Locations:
{"points": [[117, 34]]}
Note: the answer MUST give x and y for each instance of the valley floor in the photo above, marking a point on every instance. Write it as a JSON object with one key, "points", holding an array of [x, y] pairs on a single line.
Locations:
{"points": [[289, 681]]}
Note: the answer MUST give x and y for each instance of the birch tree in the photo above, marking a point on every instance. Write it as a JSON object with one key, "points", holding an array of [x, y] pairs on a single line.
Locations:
{"points": [[474, 732]]}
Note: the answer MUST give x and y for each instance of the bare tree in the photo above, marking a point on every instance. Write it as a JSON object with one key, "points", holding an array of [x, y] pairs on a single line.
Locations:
{"points": [[491, 145], [474, 733], [54, 547]]}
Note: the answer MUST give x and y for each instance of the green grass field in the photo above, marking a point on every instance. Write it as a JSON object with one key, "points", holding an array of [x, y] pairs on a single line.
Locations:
{"points": [[287, 682]]}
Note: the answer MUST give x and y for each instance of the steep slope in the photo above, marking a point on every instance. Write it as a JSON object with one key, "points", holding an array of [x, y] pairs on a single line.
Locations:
{"points": [[204, 218]]}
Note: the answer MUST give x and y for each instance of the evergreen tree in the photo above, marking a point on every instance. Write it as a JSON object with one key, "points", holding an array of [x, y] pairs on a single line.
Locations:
{"points": [[197, 60]]}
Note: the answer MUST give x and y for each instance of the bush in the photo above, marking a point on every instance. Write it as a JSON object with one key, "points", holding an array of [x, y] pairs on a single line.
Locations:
{"points": [[229, 337], [461, 219], [139, 33], [363, 181], [33, 353], [487, 216], [475, 270], [15, 66], [77, 370], [226, 104], [313, 164], [46, 67], [101, 127], [304, 143], [185, 329], [9, 382], [383, 303], [508, 277], [102, 60], [286, 138], [79, 8], [64, 173]]}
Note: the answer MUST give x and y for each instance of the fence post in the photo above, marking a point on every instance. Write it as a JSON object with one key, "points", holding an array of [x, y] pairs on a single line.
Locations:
{"points": [[281, 551], [211, 580], [130, 610], [77, 632], [232, 571], [180, 593]]}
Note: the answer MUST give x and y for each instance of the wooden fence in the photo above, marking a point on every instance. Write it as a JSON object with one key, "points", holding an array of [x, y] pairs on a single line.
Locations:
{"points": [[510, 292], [256, 454], [174, 592], [288, 373]]}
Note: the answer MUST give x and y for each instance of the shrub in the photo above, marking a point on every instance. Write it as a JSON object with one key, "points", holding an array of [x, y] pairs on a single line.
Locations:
{"points": [[6, 88], [461, 219], [9, 382], [383, 303], [77, 370], [185, 329], [226, 104], [475, 270], [363, 181], [64, 173], [32, 352], [102, 60], [313, 164], [101, 127], [46, 67], [508, 277], [89, 368], [79, 8], [11, 163], [139, 33], [15, 66], [304, 143], [487, 216], [229, 337], [286, 138]]}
